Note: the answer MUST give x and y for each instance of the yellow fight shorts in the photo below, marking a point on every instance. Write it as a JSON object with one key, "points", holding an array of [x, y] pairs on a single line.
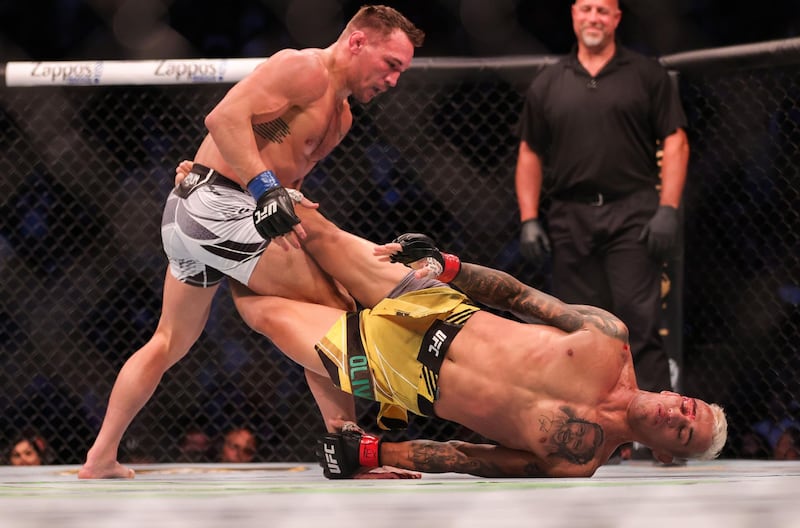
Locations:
{"points": [[392, 353]]}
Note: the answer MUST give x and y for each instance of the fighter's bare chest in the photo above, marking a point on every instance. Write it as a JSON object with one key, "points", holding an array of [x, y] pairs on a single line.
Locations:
{"points": [[334, 126], [571, 432], [311, 133]]}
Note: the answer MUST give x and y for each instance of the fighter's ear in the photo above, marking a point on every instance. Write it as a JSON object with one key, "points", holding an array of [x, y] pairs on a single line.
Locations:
{"points": [[356, 41]]}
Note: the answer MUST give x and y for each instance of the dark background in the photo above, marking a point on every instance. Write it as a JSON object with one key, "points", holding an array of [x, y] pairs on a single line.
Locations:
{"points": [[84, 169], [154, 29]]}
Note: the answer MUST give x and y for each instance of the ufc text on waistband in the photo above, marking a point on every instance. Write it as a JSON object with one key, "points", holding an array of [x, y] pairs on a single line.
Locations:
{"points": [[435, 344], [202, 175], [431, 355]]}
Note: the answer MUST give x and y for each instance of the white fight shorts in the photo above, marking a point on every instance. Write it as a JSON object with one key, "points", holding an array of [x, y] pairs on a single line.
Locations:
{"points": [[207, 230]]}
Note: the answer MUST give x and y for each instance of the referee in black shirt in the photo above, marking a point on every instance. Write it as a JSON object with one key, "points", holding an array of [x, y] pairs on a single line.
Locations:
{"points": [[592, 123]]}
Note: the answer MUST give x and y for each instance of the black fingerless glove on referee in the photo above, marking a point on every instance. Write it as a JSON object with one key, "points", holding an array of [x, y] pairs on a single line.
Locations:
{"points": [[342, 454], [274, 214], [416, 246]]}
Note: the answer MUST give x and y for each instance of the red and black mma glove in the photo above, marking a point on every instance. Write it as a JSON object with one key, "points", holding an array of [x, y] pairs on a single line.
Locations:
{"points": [[342, 454], [274, 214], [416, 246]]}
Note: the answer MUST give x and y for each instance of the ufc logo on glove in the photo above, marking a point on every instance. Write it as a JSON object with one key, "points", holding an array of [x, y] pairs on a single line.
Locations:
{"points": [[342, 455], [265, 212], [332, 463]]}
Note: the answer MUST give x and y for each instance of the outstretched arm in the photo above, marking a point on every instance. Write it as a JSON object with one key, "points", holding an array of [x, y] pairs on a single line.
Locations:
{"points": [[347, 454], [500, 290], [482, 460], [497, 289]]}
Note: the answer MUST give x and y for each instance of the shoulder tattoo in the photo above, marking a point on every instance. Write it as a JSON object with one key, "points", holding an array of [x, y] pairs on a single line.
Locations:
{"points": [[604, 321]]}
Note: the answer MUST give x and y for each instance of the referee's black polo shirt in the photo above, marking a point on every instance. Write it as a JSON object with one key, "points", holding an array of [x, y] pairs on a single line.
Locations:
{"points": [[598, 134]]}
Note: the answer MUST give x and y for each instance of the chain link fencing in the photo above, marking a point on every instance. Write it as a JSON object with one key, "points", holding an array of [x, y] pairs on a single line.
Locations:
{"points": [[86, 171]]}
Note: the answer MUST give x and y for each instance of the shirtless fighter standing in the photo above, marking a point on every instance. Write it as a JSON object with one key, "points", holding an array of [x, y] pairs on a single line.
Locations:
{"points": [[264, 137]]}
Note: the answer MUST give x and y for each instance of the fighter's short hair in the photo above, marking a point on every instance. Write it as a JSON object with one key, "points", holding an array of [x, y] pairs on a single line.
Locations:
{"points": [[719, 435]]}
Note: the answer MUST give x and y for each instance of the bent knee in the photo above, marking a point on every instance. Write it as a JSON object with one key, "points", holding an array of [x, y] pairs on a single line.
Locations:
{"points": [[248, 304], [163, 350], [259, 312]]}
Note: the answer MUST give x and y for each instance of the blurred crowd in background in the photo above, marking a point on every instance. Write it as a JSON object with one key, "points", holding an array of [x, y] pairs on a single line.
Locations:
{"points": [[177, 29]]}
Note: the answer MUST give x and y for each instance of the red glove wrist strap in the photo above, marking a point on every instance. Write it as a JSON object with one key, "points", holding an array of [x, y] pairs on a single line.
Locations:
{"points": [[452, 265], [369, 453]]}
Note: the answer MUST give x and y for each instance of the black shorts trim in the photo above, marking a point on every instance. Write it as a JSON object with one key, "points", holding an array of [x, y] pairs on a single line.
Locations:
{"points": [[432, 352]]}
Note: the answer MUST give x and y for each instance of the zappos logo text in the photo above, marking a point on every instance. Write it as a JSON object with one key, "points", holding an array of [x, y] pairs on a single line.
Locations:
{"points": [[185, 70], [63, 72]]}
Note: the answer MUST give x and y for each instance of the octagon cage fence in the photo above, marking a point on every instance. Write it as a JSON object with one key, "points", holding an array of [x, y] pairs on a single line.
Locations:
{"points": [[88, 160]]}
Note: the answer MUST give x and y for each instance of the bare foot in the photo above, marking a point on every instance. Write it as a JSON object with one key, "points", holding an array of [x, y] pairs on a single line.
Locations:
{"points": [[115, 470]]}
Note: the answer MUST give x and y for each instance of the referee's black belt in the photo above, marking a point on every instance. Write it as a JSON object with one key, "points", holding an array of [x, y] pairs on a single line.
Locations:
{"points": [[596, 199], [202, 175]]}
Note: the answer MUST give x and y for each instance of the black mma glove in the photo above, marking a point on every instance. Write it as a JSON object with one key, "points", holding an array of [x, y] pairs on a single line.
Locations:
{"points": [[661, 232], [533, 242], [274, 214], [416, 246], [342, 454]]}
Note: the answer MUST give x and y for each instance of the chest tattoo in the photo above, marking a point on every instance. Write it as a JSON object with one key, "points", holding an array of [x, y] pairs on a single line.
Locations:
{"points": [[571, 438], [273, 131]]}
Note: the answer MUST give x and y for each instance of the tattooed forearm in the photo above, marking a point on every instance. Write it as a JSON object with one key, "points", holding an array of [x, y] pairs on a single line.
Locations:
{"points": [[500, 290], [462, 457], [438, 457]]}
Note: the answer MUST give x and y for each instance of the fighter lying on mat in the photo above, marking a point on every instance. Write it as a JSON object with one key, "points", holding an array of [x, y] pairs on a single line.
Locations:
{"points": [[557, 397]]}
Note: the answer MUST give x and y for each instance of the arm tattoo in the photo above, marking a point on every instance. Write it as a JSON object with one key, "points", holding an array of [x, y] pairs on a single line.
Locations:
{"points": [[437, 457], [442, 457], [500, 290], [604, 321]]}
